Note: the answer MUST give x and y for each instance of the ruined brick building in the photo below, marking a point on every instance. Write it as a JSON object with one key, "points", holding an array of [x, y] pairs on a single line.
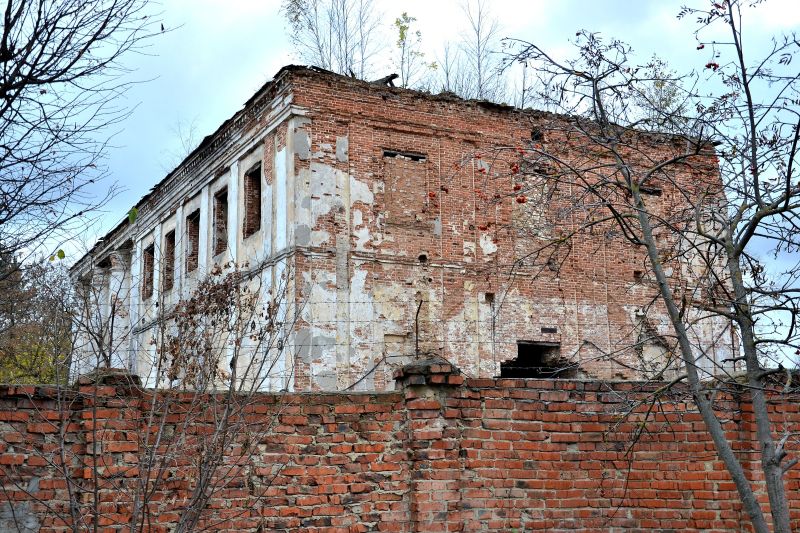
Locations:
{"points": [[405, 229]]}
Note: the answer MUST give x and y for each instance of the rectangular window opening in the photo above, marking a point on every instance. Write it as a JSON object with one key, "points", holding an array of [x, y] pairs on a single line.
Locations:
{"points": [[408, 203], [252, 200], [148, 262], [537, 360], [192, 240], [413, 156], [650, 191], [221, 221], [169, 260]]}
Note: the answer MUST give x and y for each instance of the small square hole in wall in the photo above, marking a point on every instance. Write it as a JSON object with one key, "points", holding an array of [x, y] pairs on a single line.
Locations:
{"points": [[638, 275], [489, 298]]}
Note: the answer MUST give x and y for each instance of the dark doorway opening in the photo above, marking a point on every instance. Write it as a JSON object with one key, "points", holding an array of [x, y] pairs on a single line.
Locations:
{"points": [[537, 360]]}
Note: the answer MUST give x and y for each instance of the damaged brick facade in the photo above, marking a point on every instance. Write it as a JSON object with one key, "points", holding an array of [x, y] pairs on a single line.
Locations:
{"points": [[406, 233]]}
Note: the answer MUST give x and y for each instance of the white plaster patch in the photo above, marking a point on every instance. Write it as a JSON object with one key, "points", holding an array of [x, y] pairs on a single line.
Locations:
{"points": [[469, 251], [362, 238], [488, 247], [322, 300], [391, 303], [281, 213], [360, 192], [318, 238]]}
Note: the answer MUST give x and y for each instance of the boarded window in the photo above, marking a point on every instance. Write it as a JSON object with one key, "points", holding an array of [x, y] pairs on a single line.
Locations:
{"points": [[221, 221], [148, 264], [537, 360], [252, 200], [405, 181], [169, 260], [533, 195], [192, 240]]}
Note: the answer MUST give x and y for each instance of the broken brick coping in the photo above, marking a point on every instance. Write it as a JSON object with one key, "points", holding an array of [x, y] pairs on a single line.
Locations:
{"points": [[432, 371], [438, 371]]}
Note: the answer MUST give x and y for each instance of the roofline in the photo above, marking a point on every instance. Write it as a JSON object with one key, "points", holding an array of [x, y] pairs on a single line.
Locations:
{"points": [[283, 73]]}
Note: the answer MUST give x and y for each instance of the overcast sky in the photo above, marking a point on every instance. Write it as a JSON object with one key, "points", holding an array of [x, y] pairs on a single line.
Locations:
{"points": [[218, 53]]}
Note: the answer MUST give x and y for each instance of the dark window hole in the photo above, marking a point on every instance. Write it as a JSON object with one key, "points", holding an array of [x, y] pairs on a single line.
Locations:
{"points": [[536, 360], [650, 191], [413, 156]]}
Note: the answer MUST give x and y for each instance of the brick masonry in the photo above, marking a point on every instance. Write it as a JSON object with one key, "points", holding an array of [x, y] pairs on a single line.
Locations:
{"points": [[443, 453], [409, 224], [437, 224]]}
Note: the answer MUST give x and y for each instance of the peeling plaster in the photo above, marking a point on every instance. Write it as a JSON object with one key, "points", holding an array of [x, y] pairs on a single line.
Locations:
{"points": [[360, 192], [488, 247], [301, 140], [362, 236], [342, 147]]}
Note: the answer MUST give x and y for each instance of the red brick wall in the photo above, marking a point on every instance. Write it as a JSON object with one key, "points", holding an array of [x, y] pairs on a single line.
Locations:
{"points": [[480, 455], [458, 208]]}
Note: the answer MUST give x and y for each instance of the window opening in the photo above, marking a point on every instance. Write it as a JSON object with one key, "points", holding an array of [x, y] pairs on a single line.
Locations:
{"points": [[413, 156], [252, 200], [221, 221], [650, 191], [169, 260], [192, 240], [406, 198], [537, 360], [148, 260]]}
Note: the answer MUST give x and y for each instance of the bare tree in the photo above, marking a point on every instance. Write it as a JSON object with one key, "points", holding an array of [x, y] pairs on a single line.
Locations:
{"points": [[60, 79], [710, 189], [479, 47], [452, 75], [188, 137], [337, 35], [35, 324], [212, 353], [471, 68], [410, 59]]}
